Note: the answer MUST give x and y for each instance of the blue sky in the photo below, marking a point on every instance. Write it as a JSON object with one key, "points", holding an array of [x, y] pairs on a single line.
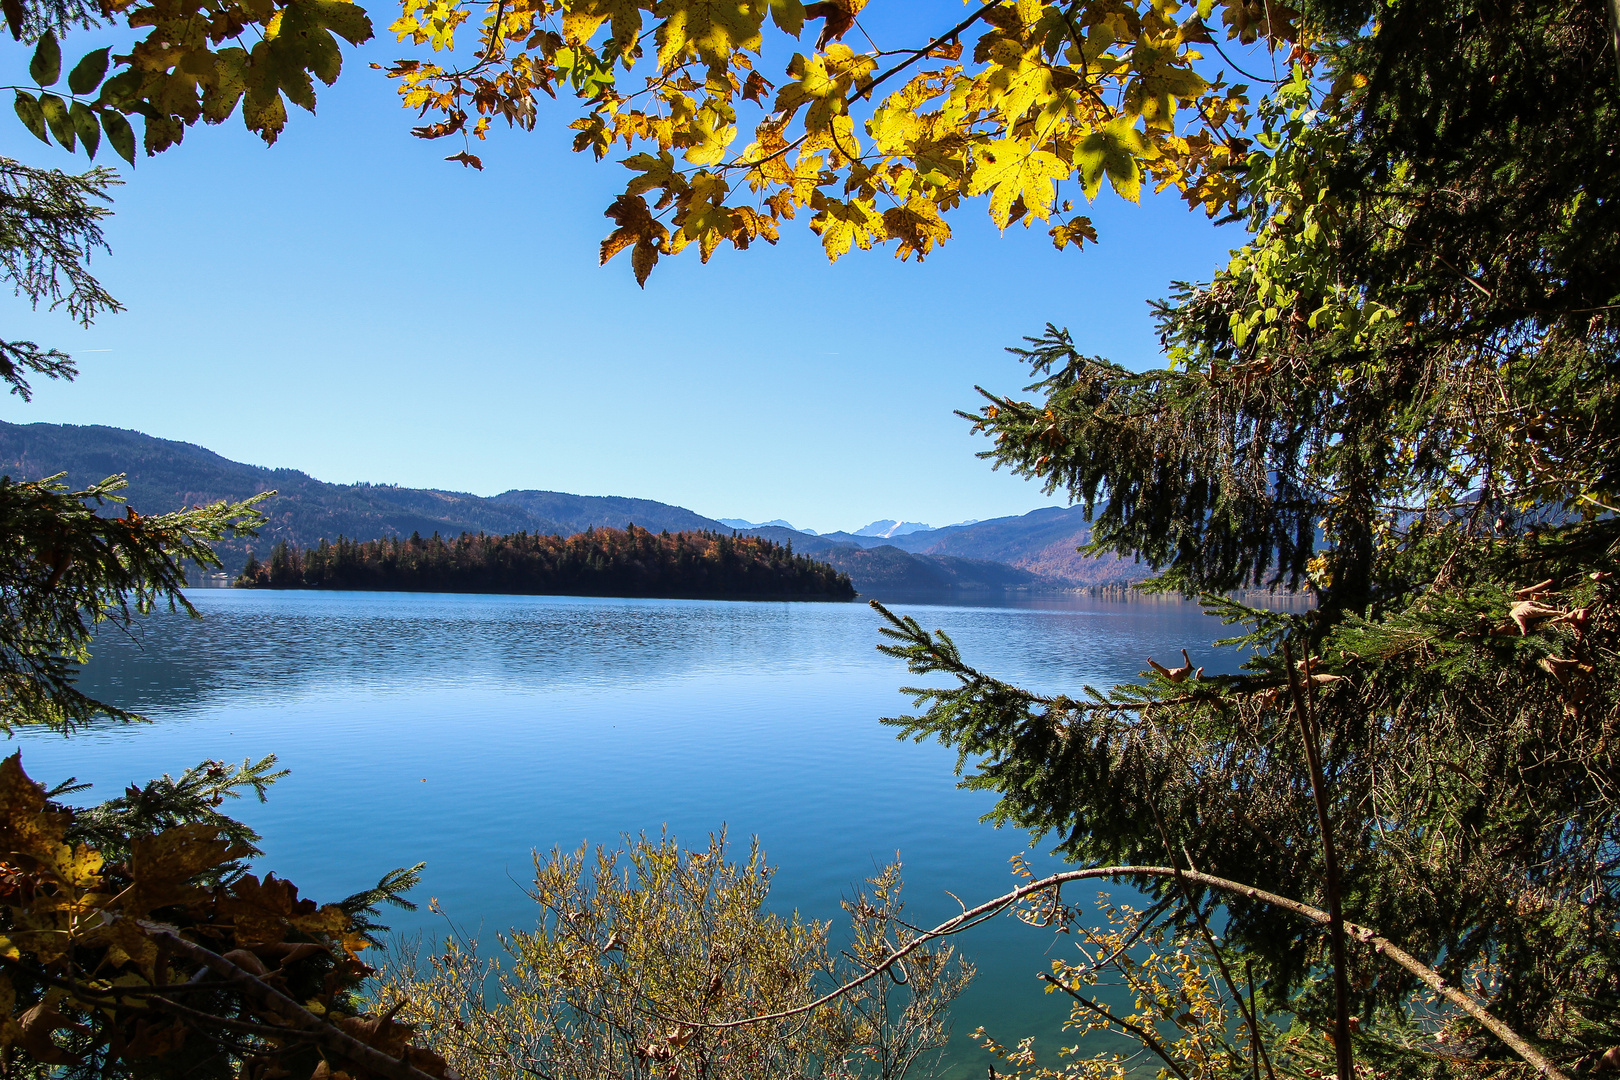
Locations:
{"points": [[349, 304]]}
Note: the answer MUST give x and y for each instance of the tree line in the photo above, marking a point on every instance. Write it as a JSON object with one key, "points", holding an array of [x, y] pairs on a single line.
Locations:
{"points": [[597, 562]]}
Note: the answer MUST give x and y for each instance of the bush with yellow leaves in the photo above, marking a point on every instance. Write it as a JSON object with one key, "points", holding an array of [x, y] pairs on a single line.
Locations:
{"points": [[658, 961]]}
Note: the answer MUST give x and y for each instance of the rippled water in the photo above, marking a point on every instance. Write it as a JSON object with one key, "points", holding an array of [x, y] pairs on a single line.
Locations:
{"points": [[467, 731]]}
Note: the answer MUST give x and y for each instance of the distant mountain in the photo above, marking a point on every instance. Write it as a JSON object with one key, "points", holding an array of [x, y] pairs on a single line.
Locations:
{"points": [[882, 569], [778, 523], [1042, 541], [167, 475], [569, 514], [888, 529]]}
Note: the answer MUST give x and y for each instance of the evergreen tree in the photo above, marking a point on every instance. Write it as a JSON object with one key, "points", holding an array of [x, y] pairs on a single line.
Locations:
{"points": [[1400, 395]]}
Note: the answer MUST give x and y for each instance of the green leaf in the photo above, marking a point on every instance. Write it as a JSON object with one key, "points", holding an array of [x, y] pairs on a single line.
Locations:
{"points": [[84, 123], [46, 66], [88, 72], [28, 112], [14, 17], [120, 134], [56, 117], [121, 90], [230, 80]]}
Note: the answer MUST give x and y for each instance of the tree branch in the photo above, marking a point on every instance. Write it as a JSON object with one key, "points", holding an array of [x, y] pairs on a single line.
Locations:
{"points": [[1141, 1033], [1343, 1057], [1381, 945]]}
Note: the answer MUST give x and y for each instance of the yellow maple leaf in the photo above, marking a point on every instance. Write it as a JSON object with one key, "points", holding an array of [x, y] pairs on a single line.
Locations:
{"points": [[27, 825], [637, 228], [1016, 80], [824, 81], [918, 227], [1116, 149], [583, 18], [1012, 170], [1076, 231], [703, 218], [766, 157], [656, 172], [709, 30], [842, 225], [807, 177], [710, 137]]}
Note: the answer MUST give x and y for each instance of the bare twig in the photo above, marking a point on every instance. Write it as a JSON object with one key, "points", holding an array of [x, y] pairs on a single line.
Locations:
{"points": [[918, 54], [1209, 939], [1141, 1033]]}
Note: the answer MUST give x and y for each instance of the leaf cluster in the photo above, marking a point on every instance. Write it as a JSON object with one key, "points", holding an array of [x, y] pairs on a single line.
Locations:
{"points": [[1012, 102], [197, 61], [157, 954], [653, 960]]}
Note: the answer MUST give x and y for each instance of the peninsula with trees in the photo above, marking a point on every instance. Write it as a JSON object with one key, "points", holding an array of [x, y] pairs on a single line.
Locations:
{"points": [[597, 562]]}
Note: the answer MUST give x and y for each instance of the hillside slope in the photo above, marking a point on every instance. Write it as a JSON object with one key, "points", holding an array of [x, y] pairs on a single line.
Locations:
{"points": [[575, 513], [1042, 541], [165, 475]]}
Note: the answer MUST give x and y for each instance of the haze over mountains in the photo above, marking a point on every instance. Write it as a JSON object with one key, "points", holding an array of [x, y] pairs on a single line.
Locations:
{"points": [[1033, 551]]}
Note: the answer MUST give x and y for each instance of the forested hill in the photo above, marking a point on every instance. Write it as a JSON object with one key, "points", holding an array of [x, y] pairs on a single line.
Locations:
{"points": [[166, 475], [1031, 552], [596, 562]]}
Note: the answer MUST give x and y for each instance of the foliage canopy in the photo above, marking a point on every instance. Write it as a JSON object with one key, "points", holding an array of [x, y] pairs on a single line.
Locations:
{"points": [[1046, 93], [598, 562]]}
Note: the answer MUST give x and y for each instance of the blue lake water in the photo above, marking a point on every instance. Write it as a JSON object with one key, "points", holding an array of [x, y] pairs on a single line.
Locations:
{"points": [[468, 731]]}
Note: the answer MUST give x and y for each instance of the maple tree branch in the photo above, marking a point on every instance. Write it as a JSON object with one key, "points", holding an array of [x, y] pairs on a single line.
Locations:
{"points": [[918, 54], [268, 998], [1240, 71], [1080, 47], [246, 1027]]}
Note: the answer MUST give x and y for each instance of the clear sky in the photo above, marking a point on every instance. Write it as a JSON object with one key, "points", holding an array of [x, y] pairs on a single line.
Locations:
{"points": [[349, 304]]}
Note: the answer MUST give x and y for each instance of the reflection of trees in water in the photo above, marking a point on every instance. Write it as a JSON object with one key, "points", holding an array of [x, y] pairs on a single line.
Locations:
{"points": [[172, 662], [265, 644]]}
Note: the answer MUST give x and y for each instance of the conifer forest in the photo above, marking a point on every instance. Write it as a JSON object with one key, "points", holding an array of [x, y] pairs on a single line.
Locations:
{"points": [[598, 562], [1386, 843]]}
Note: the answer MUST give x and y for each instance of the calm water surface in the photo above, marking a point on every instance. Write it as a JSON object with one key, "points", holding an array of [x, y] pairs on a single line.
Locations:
{"points": [[468, 731]]}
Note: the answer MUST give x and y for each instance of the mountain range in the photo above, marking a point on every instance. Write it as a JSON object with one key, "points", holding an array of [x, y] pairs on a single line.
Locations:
{"points": [[1034, 551]]}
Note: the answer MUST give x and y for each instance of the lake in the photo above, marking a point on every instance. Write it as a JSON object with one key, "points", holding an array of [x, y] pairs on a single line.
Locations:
{"points": [[468, 731]]}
